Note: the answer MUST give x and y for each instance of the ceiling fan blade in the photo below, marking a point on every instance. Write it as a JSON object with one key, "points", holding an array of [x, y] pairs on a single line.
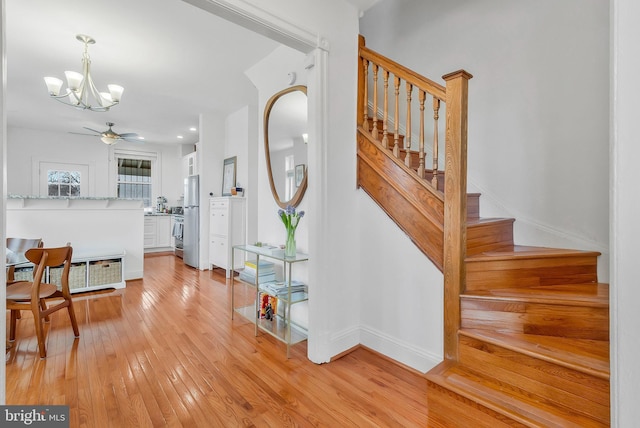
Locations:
{"points": [[97, 132], [83, 133], [129, 135], [132, 140]]}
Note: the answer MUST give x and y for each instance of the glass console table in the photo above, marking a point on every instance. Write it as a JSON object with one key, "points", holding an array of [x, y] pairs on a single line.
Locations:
{"points": [[280, 325]]}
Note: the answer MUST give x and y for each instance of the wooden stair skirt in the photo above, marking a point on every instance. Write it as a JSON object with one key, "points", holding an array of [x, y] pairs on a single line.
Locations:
{"points": [[413, 205]]}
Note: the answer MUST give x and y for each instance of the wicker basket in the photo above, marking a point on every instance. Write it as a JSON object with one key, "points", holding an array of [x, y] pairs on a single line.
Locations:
{"points": [[105, 272], [23, 274], [77, 276]]}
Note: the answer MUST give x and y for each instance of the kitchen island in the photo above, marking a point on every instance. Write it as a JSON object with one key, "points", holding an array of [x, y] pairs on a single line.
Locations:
{"points": [[90, 224]]}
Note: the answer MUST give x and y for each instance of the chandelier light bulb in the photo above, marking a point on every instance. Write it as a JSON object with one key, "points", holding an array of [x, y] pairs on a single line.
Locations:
{"points": [[73, 98], [53, 85], [116, 92], [74, 79], [81, 92]]}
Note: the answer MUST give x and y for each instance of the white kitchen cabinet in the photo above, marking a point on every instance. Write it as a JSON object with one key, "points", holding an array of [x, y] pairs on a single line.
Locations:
{"points": [[227, 227], [157, 232], [164, 231], [150, 232], [190, 164]]}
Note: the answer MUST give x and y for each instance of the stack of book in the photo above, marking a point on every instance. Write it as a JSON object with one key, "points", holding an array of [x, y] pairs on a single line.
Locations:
{"points": [[266, 272], [280, 289]]}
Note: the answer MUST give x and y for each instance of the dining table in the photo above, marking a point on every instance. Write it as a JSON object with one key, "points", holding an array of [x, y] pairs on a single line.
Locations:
{"points": [[16, 259]]}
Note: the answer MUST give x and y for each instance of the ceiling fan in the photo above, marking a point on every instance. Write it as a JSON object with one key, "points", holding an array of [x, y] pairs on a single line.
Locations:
{"points": [[110, 137]]}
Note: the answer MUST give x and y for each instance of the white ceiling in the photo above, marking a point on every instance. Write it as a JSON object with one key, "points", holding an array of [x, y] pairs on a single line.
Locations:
{"points": [[174, 60]]}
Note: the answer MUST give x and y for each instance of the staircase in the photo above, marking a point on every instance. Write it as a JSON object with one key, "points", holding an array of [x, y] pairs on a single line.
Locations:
{"points": [[526, 328]]}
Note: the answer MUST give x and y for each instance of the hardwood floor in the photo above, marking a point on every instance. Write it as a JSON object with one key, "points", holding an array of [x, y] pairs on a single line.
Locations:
{"points": [[165, 352]]}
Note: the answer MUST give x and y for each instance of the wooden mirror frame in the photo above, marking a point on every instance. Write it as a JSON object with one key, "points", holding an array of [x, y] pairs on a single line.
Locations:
{"points": [[297, 197]]}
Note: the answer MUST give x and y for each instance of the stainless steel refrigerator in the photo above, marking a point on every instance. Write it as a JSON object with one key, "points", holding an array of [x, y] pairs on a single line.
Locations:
{"points": [[191, 237]]}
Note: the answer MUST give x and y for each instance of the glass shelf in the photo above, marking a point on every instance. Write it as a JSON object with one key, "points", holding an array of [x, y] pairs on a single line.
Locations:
{"points": [[273, 253], [276, 327], [281, 327]]}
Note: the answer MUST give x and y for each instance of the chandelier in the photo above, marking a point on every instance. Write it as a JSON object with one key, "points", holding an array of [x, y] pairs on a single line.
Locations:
{"points": [[80, 86]]}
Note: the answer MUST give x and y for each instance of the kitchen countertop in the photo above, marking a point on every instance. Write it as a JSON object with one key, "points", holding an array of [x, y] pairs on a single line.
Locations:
{"points": [[73, 198]]}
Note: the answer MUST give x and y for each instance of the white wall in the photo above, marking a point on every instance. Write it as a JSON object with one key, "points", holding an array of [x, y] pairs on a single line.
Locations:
{"points": [[538, 104], [95, 227], [241, 141], [270, 76], [330, 201], [211, 155], [625, 211], [402, 292], [24, 145], [3, 180]]}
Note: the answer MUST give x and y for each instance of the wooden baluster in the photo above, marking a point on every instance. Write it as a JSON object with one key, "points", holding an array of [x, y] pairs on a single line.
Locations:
{"points": [[374, 114], [385, 112], [421, 96], [365, 101], [407, 137], [396, 119], [436, 113]]}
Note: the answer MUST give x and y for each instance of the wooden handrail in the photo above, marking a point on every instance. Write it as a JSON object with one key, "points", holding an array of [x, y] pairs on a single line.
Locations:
{"points": [[408, 75]]}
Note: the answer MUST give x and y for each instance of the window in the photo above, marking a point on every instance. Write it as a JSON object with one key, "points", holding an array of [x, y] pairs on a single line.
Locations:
{"points": [[290, 177], [63, 183], [134, 180]]}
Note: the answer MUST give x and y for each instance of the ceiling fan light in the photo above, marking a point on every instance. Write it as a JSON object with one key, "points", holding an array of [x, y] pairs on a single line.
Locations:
{"points": [[108, 140], [116, 92], [74, 80], [53, 85]]}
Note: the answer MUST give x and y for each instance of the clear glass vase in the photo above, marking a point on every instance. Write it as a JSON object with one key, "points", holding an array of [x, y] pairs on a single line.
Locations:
{"points": [[290, 245]]}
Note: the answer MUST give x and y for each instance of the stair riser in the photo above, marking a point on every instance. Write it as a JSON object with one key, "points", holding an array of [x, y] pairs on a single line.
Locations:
{"points": [[549, 382], [464, 412], [577, 322], [517, 272], [489, 237]]}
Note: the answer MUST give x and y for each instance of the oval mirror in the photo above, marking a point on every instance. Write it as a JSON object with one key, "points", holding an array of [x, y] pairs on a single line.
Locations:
{"points": [[285, 144]]}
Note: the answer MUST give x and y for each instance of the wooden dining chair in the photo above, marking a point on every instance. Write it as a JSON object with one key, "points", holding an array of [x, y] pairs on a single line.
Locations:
{"points": [[20, 245], [24, 295]]}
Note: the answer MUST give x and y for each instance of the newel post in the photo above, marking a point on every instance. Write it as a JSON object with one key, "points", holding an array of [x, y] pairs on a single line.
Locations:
{"points": [[360, 97], [455, 206]]}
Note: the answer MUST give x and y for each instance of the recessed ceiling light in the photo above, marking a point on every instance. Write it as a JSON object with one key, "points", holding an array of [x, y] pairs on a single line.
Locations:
{"points": [[180, 137], [193, 129]]}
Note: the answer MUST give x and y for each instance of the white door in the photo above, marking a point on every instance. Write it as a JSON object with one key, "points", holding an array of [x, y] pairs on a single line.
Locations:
{"points": [[71, 179]]}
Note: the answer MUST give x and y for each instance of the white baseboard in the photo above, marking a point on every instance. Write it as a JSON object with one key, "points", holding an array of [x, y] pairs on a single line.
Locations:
{"points": [[403, 352]]}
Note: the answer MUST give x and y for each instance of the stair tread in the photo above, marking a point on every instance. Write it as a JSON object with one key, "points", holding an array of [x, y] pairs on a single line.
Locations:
{"points": [[584, 355], [590, 294], [528, 252], [503, 399], [489, 220]]}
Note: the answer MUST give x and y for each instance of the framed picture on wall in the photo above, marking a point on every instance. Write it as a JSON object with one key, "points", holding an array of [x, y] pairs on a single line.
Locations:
{"points": [[228, 175], [299, 174]]}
